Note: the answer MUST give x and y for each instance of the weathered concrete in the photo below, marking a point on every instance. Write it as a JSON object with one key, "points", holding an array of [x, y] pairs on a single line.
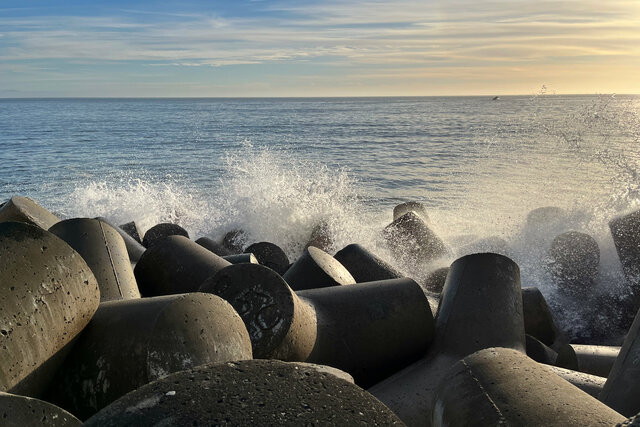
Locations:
{"points": [[630, 422], [434, 282], [47, 296], [213, 246], [415, 207], [625, 230], [255, 392], [175, 265], [364, 266], [106, 254], [492, 244], [412, 241], [132, 230], [591, 359], [321, 237], [538, 320], [481, 307], [622, 388], [134, 247], [130, 343], [21, 411], [241, 259], [160, 231], [270, 255], [369, 330], [234, 241], [499, 386], [540, 352], [590, 384], [23, 209], [316, 268], [574, 263]]}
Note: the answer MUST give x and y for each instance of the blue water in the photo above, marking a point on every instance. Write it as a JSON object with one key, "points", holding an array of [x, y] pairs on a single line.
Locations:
{"points": [[276, 167]]}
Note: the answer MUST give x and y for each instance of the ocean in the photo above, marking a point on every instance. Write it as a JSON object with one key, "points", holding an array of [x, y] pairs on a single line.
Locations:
{"points": [[277, 167]]}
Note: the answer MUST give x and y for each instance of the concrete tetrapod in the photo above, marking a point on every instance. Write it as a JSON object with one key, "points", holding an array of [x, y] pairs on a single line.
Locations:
{"points": [[160, 231], [500, 386], [134, 247], [105, 252], [48, 294], [574, 263], [315, 269], [253, 392], [269, 255], [175, 265], [21, 411], [368, 330], [538, 320], [622, 388], [625, 230], [23, 209], [241, 259], [132, 230], [415, 207], [590, 359], [412, 241], [540, 352], [131, 343], [481, 307], [213, 246], [590, 384], [364, 266]]}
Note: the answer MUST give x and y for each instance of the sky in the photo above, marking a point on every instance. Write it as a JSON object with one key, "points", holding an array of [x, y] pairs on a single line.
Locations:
{"points": [[262, 48]]}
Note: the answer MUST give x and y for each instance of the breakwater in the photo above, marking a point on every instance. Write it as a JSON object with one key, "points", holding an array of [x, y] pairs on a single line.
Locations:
{"points": [[104, 324]]}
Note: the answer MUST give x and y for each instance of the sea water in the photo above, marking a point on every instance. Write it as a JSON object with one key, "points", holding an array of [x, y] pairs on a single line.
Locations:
{"points": [[275, 168]]}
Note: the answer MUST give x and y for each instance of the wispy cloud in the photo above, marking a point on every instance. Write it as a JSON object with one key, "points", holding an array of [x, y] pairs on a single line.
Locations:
{"points": [[459, 34]]}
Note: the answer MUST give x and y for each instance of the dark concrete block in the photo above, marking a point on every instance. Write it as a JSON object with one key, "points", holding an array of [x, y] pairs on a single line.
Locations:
{"points": [[134, 247], [540, 352], [625, 230], [500, 386], [591, 359], [364, 266], [574, 263], [241, 259], [269, 255], [234, 241], [255, 392], [160, 231], [21, 411], [131, 343], [105, 252], [132, 230], [47, 297], [369, 330], [23, 209], [175, 265], [412, 241], [481, 307], [321, 237], [213, 246], [315, 269], [415, 207], [538, 320]]}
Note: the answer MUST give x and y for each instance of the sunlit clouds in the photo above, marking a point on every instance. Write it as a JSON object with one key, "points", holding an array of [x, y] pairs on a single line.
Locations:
{"points": [[322, 49]]}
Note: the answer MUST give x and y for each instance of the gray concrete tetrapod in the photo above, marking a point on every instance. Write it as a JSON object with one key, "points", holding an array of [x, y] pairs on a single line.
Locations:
{"points": [[368, 330], [622, 388], [160, 231], [241, 259], [625, 230], [132, 229], [21, 411], [538, 320], [131, 343], [590, 359], [364, 266], [213, 246], [234, 241], [105, 252], [23, 209], [493, 244], [435, 280], [540, 352], [48, 294], [481, 307], [314, 269], [175, 265], [252, 392], [321, 237], [412, 241], [500, 386], [590, 384], [134, 247], [269, 255], [415, 207], [574, 263]]}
